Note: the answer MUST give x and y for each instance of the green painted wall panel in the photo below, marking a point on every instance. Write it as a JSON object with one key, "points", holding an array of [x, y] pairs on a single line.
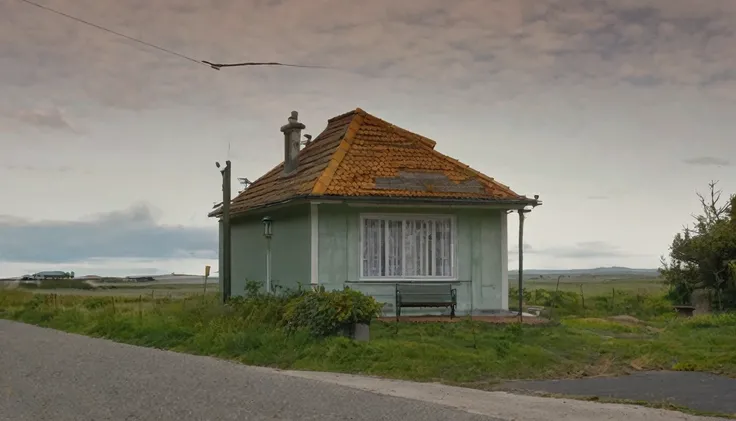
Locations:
{"points": [[491, 261], [333, 249], [290, 249], [478, 255]]}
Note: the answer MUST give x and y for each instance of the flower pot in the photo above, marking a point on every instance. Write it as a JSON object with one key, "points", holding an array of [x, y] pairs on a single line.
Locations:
{"points": [[356, 331]]}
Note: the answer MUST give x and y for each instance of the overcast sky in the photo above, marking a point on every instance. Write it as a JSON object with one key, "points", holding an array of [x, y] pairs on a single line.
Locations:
{"points": [[614, 111]]}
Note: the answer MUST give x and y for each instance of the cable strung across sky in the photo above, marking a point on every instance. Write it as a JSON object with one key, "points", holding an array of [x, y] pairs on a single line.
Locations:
{"points": [[216, 66]]}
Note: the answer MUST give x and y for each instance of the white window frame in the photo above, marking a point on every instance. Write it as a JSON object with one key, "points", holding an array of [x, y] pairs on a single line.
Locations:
{"points": [[405, 217]]}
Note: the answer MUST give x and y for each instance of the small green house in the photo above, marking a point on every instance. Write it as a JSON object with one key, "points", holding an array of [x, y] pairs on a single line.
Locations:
{"points": [[369, 205]]}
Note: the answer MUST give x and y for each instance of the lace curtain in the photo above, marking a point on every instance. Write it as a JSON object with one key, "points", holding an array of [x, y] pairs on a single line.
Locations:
{"points": [[407, 248]]}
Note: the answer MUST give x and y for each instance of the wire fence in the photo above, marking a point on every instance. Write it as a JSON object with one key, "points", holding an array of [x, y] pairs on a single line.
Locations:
{"points": [[641, 303]]}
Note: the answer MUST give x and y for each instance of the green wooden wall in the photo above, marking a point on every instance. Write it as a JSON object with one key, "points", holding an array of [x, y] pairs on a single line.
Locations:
{"points": [[480, 256], [290, 252]]}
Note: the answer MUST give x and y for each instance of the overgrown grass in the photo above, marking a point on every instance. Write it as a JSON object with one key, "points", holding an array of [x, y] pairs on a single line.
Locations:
{"points": [[616, 302], [57, 284], [597, 285], [468, 353]]}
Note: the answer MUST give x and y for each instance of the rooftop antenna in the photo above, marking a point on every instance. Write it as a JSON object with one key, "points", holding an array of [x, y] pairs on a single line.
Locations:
{"points": [[245, 183], [308, 141]]}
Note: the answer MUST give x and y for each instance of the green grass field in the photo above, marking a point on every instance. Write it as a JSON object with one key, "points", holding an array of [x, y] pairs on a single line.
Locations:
{"points": [[596, 285], [468, 353], [122, 289], [591, 285]]}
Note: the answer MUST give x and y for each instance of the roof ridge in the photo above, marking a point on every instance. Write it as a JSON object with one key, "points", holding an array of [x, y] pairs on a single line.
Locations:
{"points": [[425, 140], [324, 180], [358, 111]]}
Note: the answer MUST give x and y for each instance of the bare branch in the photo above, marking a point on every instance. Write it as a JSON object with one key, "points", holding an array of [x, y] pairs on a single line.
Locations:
{"points": [[713, 211]]}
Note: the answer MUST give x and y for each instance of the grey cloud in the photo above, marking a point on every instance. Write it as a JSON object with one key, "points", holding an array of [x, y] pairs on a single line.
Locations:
{"points": [[643, 80], [640, 15], [408, 45], [527, 249], [707, 161], [582, 250], [51, 118], [130, 233], [43, 169]]}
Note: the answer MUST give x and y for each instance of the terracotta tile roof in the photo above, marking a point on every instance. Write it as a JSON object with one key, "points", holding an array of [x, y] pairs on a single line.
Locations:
{"points": [[359, 155]]}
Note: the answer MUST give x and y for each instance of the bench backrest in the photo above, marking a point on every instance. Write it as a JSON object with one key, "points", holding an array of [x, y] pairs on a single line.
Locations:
{"points": [[433, 293]]}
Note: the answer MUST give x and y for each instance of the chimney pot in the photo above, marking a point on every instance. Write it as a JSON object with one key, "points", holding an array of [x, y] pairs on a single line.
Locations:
{"points": [[292, 139]]}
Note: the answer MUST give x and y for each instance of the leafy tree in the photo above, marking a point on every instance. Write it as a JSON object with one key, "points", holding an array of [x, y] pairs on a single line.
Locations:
{"points": [[704, 257]]}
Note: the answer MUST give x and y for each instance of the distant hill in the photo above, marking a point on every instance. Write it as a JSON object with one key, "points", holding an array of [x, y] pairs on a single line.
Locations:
{"points": [[601, 271]]}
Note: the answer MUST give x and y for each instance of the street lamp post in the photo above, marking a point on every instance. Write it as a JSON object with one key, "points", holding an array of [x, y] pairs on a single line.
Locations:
{"points": [[268, 233]]}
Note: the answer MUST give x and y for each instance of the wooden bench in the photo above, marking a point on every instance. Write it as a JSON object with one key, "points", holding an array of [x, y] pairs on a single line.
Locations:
{"points": [[425, 295], [535, 310]]}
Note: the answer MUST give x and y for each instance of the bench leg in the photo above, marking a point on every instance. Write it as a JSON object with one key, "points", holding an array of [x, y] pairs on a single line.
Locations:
{"points": [[452, 311], [398, 313]]}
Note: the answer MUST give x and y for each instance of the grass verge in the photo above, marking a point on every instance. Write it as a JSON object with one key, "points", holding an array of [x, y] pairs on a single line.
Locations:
{"points": [[469, 353]]}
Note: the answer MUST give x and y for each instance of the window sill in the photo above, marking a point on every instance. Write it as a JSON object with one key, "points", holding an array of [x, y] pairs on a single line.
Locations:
{"points": [[406, 280]]}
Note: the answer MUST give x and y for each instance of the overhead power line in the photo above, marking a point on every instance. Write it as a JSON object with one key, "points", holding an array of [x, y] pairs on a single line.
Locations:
{"points": [[216, 66], [166, 50]]}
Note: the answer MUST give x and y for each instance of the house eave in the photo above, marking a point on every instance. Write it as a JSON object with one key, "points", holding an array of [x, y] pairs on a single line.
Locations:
{"points": [[389, 201], [394, 201], [263, 208]]}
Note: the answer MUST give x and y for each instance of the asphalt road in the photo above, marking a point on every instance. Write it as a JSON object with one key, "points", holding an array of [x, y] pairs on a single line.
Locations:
{"points": [[51, 375], [701, 391]]}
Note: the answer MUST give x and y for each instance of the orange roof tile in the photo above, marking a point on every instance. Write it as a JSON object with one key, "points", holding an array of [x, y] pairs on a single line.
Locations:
{"points": [[359, 155]]}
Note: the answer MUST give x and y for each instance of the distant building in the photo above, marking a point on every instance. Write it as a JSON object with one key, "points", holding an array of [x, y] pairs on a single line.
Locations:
{"points": [[140, 278], [53, 274]]}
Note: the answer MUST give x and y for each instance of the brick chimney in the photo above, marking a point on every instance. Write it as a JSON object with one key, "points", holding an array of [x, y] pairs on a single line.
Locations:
{"points": [[292, 138]]}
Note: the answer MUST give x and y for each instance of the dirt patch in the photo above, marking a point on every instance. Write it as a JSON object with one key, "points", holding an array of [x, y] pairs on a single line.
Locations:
{"points": [[485, 319]]}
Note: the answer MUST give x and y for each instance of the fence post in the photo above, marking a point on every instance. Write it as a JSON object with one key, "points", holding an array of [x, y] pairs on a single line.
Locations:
{"points": [[557, 297], [582, 295], [613, 300]]}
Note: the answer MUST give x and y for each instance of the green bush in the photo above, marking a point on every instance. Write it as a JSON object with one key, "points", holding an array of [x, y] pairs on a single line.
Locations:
{"points": [[325, 313], [321, 313], [257, 306]]}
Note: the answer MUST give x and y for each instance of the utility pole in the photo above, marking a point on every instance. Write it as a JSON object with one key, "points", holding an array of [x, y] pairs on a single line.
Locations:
{"points": [[521, 259], [226, 242]]}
